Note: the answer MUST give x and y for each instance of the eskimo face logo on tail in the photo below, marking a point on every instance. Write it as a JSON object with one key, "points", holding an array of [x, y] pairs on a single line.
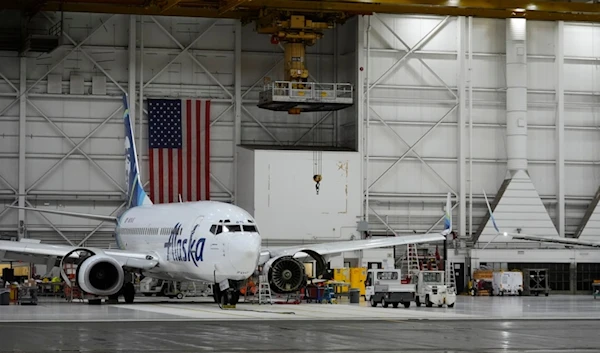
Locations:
{"points": [[185, 250]]}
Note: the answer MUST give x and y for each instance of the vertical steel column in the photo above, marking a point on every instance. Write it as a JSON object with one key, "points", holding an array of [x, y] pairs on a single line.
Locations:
{"points": [[560, 127], [237, 128], [367, 116], [516, 94], [131, 67], [461, 77], [359, 107], [336, 54], [140, 150], [470, 80], [22, 144]]}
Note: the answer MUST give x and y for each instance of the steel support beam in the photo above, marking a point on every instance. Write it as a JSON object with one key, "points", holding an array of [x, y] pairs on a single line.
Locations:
{"points": [[261, 125], [131, 70], [359, 110], [185, 50], [52, 225], [532, 10], [140, 150], [421, 42], [367, 116], [560, 127], [22, 145], [315, 125], [462, 107], [237, 118], [470, 83], [90, 234], [76, 147], [413, 52], [414, 145]]}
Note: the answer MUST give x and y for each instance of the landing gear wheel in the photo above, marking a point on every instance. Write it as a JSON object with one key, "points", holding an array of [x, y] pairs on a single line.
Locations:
{"points": [[129, 292], [384, 303], [418, 302], [373, 302], [406, 305], [395, 305]]}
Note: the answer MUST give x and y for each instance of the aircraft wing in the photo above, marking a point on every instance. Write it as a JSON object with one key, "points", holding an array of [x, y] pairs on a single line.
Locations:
{"points": [[566, 241], [28, 250], [352, 245]]}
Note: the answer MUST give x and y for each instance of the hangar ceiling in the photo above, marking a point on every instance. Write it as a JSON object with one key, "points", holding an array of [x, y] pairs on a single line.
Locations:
{"points": [[582, 10]]}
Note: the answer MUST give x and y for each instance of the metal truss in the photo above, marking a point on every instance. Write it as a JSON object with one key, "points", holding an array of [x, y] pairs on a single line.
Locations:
{"points": [[185, 50], [75, 148], [392, 69]]}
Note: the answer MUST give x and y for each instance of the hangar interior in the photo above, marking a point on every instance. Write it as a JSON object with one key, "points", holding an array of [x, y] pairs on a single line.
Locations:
{"points": [[442, 104]]}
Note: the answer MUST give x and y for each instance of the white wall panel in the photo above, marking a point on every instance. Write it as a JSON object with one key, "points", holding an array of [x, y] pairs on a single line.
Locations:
{"points": [[286, 205]]}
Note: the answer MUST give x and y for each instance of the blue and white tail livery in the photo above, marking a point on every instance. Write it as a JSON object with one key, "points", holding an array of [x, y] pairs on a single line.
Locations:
{"points": [[136, 196], [491, 214], [448, 217]]}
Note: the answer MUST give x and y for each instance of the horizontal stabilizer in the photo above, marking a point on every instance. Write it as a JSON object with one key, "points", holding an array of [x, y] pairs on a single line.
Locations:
{"points": [[72, 214]]}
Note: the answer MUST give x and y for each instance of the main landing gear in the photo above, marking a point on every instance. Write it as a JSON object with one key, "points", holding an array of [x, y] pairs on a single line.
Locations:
{"points": [[230, 296]]}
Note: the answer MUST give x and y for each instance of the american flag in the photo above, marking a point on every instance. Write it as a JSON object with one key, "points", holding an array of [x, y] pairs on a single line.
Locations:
{"points": [[179, 149]]}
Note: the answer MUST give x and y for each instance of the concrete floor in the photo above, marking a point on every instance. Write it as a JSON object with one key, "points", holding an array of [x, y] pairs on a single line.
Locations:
{"points": [[476, 324]]}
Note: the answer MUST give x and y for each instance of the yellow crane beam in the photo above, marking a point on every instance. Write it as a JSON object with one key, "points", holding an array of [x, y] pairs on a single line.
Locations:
{"points": [[249, 9]]}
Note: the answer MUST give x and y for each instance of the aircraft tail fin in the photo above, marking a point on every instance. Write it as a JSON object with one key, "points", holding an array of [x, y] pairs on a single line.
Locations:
{"points": [[448, 216], [491, 213], [136, 196]]}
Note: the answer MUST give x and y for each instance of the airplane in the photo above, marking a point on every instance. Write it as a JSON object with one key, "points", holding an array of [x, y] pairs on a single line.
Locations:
{"points": [[201, 241], [537, 238]]}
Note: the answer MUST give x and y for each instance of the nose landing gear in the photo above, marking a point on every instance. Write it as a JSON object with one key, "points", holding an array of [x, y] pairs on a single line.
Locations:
{"points": [[229, 296]]}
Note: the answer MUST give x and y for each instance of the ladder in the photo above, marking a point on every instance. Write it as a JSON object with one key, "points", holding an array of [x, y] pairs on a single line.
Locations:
{"points": [[264, 290], [450, 276], [412, 257]]}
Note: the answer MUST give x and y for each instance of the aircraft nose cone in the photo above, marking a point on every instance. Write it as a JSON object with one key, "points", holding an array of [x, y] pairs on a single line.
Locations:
{"points": [[244, 251]]}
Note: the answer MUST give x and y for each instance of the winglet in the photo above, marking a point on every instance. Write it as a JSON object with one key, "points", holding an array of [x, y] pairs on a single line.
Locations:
{"points": [[492, 214], [136, 196]]}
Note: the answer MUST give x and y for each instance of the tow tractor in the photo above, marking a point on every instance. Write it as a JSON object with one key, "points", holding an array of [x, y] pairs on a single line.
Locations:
{"points": [[431, 289], [386, 287]]}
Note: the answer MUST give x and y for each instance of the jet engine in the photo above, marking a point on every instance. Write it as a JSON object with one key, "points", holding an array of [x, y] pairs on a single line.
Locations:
{"points": [[100, 275], [97, 273], [287, 274]]}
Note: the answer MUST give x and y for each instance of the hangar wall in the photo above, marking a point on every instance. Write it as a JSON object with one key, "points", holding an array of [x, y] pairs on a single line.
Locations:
{"points": [[415, 76], [74, 99], [417, 104]]}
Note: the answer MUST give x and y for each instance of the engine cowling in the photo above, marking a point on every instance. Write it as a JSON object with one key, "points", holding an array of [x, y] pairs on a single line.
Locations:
{"points": [[285, 274], [100, 275]]}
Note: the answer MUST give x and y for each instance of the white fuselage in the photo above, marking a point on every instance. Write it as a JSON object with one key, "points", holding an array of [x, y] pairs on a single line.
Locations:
{"points": [[194, 241]]}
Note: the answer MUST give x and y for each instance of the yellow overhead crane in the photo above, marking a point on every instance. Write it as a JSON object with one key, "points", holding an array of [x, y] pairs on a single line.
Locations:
{"points": [[549, 10], [295, 93]]}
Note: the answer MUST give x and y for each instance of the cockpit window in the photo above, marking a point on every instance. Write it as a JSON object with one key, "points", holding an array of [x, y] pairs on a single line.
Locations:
{"points": [[232, 228]]}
